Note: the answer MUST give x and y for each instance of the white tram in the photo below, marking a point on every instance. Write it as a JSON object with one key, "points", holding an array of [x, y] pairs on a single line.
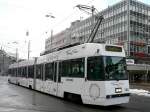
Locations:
{"points": [[95, 73]]}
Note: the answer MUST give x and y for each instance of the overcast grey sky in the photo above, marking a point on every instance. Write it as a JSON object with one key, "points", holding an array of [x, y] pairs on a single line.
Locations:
{"points": [[18, 16]]}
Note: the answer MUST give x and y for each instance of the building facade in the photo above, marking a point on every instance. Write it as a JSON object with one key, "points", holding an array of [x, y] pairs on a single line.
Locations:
{"points": [[125, 23], [57, 41], [5, 61]]}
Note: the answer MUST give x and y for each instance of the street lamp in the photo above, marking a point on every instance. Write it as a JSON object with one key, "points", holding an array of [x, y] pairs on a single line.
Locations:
{"points": [[27, 35], [53, 17]]}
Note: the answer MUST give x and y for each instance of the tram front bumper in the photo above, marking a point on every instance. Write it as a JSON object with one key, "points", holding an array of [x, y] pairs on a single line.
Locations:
{"points": [[108, 100]]}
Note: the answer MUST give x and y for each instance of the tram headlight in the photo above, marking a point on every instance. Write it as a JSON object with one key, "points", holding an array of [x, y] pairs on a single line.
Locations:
{"points": [[118, 90]]}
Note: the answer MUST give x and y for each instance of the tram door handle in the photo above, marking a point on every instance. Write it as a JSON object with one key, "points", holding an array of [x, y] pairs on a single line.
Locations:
{"points": [[85, 79]]}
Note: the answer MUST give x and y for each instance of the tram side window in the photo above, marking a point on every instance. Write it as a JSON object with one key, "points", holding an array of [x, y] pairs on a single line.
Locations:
{"points": [[24, 72], [39, 71], [95, 69], [77, 68], [60, 71], [49, 71], [31, 71], [54, 71], [19, 72], [65, 69], [15, 72], [10, 72], [73, 68]]}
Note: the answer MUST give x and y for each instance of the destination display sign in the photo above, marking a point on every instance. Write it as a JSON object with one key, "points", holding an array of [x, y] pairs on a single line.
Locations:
{"points": [[113, 48]]}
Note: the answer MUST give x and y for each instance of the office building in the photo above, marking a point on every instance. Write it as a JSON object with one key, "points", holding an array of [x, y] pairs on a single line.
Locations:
{"points": [[125, 23]]}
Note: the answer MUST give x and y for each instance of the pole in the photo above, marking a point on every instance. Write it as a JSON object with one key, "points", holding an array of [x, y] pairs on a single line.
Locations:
{"points": [[51, 38], [27, 71], [51, 16], [17, 74], [29, 50], [28, 58], [3, 63], [16, 54]]}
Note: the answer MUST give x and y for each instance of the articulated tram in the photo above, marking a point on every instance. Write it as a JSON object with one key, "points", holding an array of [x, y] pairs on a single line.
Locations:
{"points": [[94, 73]]}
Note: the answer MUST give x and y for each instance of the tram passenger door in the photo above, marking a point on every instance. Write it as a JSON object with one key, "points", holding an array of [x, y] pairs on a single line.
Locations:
{"points": [[57, 81], [85, 87], [54, 85]]}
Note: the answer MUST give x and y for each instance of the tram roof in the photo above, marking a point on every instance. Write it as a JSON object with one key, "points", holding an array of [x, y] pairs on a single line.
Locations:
{"points": [[79, 51]]}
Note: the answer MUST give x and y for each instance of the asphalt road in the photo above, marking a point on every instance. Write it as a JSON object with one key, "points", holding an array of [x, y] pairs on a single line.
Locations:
{"points": [[18, 99]]}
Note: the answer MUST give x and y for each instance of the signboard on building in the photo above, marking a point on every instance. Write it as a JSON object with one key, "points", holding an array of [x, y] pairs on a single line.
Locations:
{"points": [[129, 61]]}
